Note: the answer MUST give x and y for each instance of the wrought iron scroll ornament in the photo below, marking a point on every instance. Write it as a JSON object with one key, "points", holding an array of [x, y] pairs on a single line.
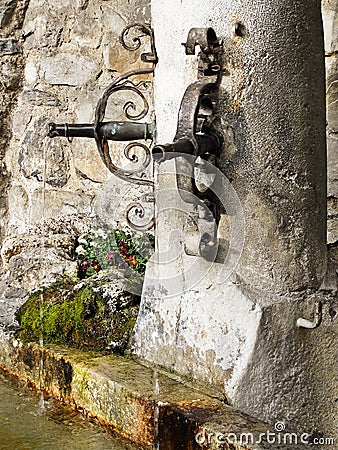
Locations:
{"points": [[137, 210], [123, 83], [195, 132], [130, 130]]}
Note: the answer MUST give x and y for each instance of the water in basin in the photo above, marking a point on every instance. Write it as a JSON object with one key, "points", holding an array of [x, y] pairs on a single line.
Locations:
{"points": [[28, 421]]}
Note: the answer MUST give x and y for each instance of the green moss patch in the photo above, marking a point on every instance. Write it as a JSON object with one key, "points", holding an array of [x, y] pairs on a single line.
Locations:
{"points": [[66, 313]]}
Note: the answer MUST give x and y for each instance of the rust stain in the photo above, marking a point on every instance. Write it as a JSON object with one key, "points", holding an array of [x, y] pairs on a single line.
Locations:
{"points": [[121, 61], [236, 64]]}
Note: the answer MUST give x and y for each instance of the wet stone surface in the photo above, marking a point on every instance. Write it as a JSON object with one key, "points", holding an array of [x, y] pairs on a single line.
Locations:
{"points": [[30, 419], [96, 314], [142, 403]]}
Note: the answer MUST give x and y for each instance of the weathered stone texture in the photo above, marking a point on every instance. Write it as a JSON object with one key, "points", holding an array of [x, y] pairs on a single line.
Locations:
{"points": [[294, 362], [12, 14], [9, 47], [35, 97], [68, 69], [330, 21], [119, 392], [281, 166], [332, 215], [332, 160], [7, 8]]}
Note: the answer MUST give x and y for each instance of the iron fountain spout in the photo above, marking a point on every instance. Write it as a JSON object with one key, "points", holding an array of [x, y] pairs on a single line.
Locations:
{"points": [[113, 131]]}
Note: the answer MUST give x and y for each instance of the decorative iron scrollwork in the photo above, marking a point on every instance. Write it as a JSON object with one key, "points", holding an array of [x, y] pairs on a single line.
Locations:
{"points": [[135, 32], [131, 130], [123, 83], [139, 212], [102, 132], [132, 156]]}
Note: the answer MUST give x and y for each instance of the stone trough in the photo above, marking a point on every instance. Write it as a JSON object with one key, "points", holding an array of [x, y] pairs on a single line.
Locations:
{"points": [[143, 404]]}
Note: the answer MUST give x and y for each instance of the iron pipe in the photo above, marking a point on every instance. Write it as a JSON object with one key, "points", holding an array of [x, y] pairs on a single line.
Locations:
{"points": [[113, 131], [206, 143]]}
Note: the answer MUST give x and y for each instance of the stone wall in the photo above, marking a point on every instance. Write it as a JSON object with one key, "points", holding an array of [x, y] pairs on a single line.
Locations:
{"points": [[71, 53], [56, 57], [12, 14]]}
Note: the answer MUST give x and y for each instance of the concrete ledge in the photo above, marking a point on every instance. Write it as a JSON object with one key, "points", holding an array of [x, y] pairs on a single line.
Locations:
{"points": [[135, 401]]}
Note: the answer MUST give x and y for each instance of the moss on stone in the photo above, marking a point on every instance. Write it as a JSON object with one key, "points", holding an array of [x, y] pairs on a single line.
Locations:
{"points": [[64, 313]]}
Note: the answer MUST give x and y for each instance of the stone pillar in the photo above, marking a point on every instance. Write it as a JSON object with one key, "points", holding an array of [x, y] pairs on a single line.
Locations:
{"points": [[239, 335], [275, 109], [279, 168]]}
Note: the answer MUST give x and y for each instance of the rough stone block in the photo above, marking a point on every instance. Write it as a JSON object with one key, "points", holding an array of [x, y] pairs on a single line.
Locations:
{"points": [[332, 95], [9, 47], [330, 23], [11, 75], [332, 220], [332, 166], [31, 73], [55, 203], [85, 110], [68, 69], [116, 58], [87, 161], [112, 18], [59, 4], [43, 31], [7, 8], [87, 32], [38, 160], [18, 203], [40, 98]]}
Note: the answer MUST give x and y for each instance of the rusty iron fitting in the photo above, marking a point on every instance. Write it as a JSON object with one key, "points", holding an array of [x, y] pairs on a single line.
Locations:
{"points": [[206, 143]]}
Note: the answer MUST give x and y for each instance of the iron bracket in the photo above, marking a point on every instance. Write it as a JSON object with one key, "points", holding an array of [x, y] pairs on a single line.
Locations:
{"points": [[196, 135]]}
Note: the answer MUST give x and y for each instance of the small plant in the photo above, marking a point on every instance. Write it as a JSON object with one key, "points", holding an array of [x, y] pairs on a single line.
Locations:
{"points": [[116, 247]]}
